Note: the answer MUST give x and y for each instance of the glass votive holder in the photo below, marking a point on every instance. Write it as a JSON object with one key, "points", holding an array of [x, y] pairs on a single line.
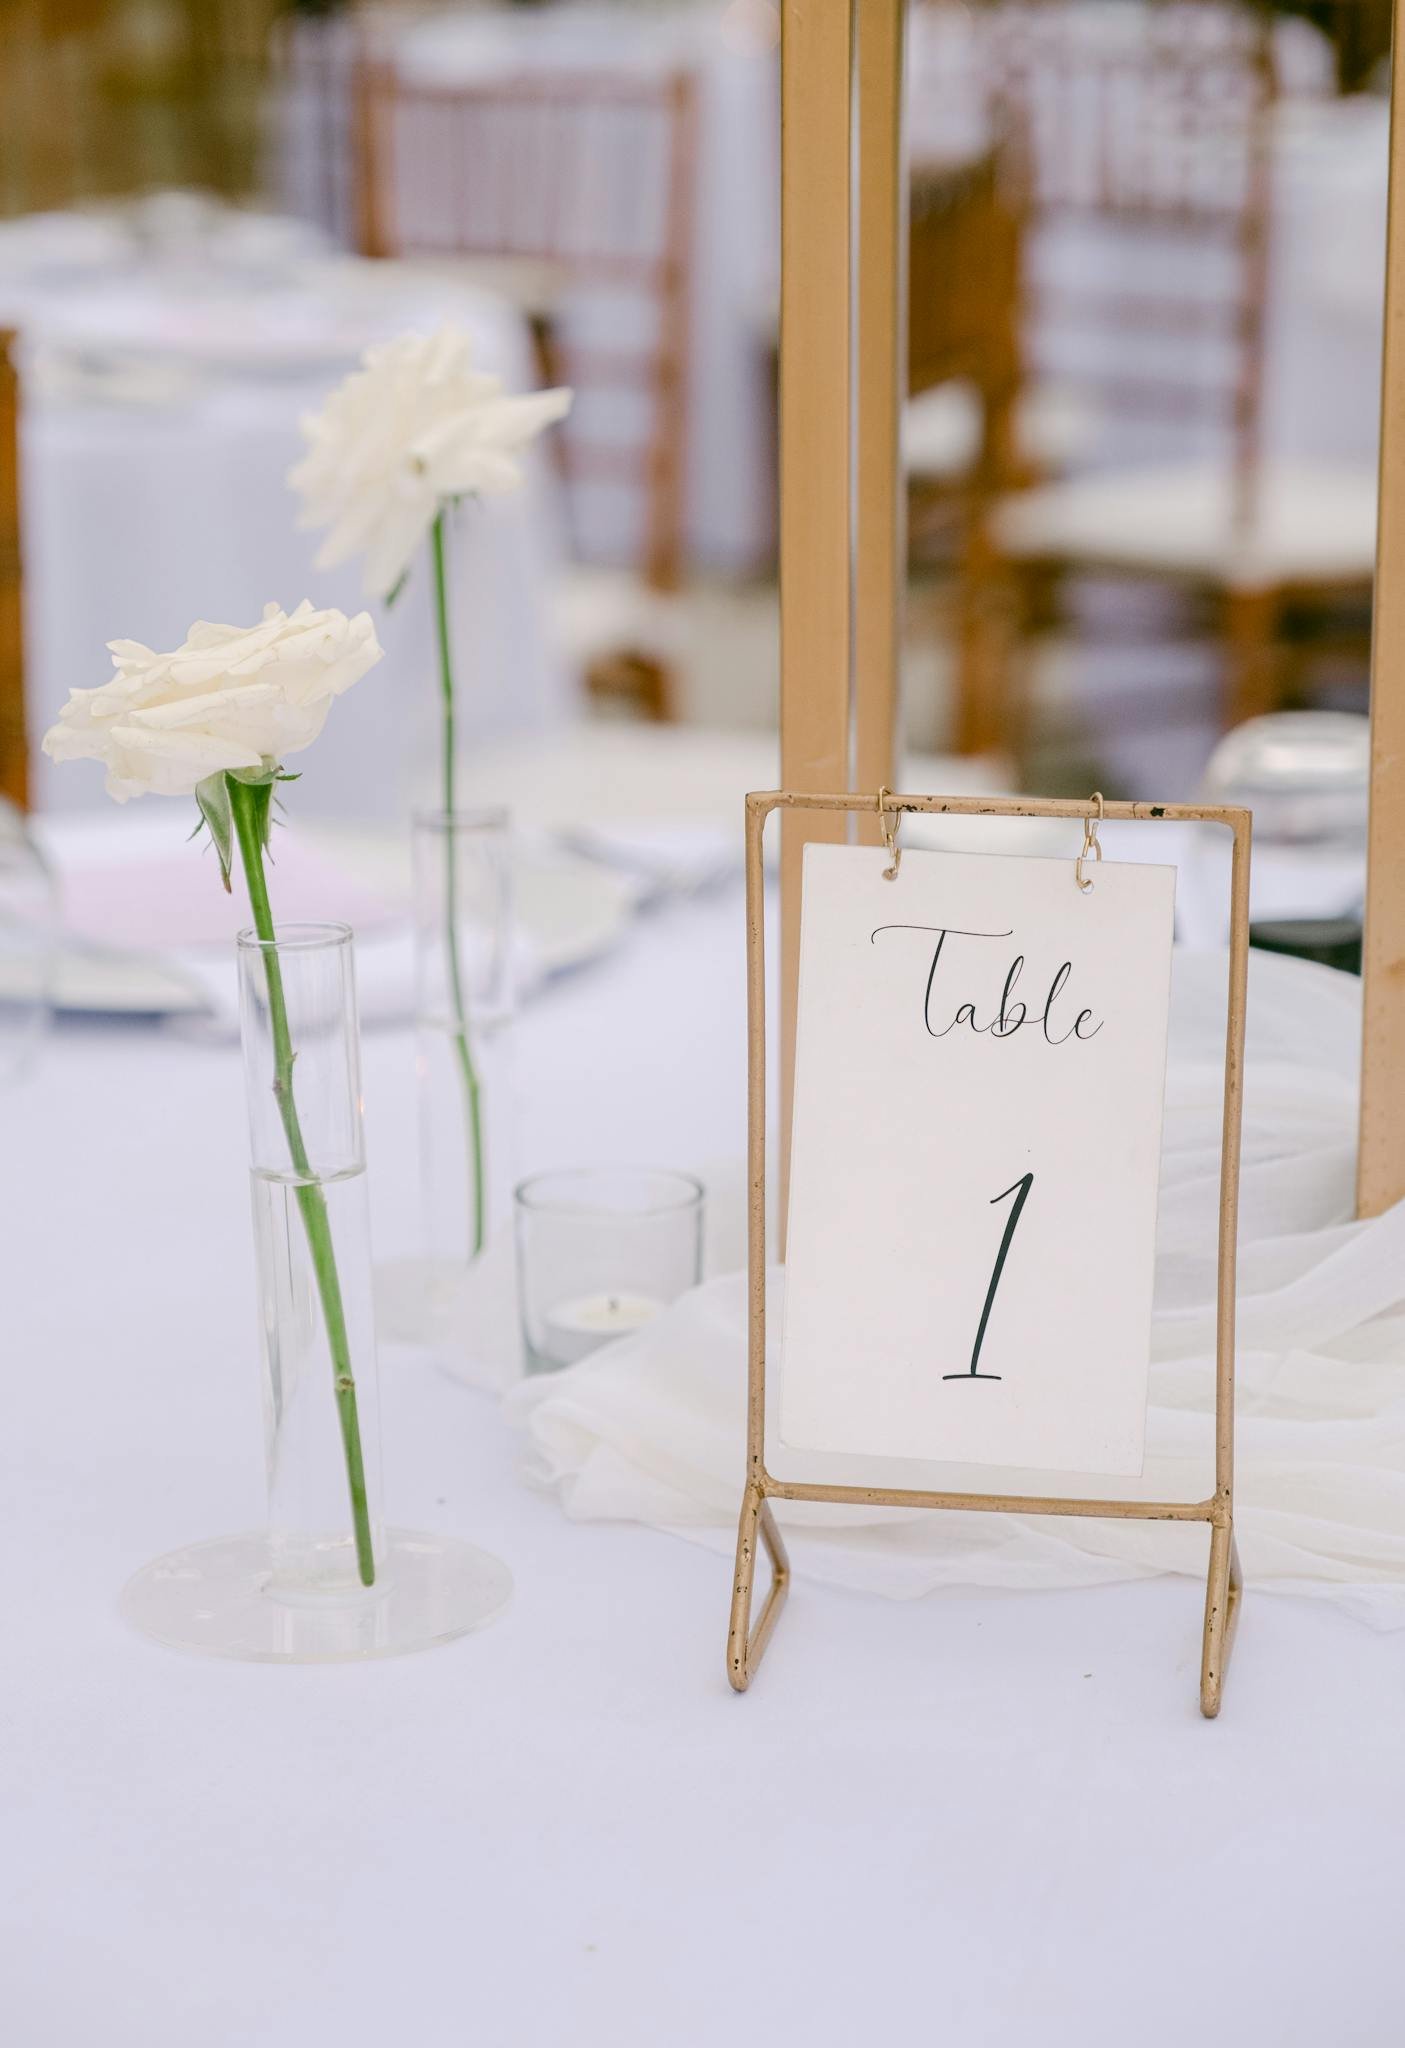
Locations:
{"points": [[600, 1251]]}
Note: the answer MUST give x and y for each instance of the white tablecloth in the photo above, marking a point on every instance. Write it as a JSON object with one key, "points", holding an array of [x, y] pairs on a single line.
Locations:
{"points": [[994, 1818], [140, 517]]}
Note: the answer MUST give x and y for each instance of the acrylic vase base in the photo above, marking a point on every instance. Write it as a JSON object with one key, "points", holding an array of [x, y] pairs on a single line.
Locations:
{"points": [[214, 1598], [463, 1316]]}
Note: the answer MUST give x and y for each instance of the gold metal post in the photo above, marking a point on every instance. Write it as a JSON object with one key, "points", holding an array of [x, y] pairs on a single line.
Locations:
{"points": [[1380, 1173], [880, 380], [816, 446]]}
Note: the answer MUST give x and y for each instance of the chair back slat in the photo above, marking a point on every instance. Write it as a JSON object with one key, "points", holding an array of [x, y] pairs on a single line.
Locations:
{"points": [[1143, 136], [589, 174]]}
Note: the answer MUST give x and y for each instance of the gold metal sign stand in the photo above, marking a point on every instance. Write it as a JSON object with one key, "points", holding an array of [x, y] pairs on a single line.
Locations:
{"points": [[758, 1529]]}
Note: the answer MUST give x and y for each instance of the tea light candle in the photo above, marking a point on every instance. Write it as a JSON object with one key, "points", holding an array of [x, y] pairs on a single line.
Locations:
{"points": [[576, 1328]]}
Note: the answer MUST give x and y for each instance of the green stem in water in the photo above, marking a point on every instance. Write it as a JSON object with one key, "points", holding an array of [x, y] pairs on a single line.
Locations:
{"points": [[468, 1072], [246, 803]]}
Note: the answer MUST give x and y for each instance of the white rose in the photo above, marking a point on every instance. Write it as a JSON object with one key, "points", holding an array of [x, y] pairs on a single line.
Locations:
{"points": [[233, 697], [417, 424]]}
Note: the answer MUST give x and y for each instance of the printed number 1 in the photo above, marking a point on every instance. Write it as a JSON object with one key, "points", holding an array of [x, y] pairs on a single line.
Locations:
{"points": [[1020, 1191]]}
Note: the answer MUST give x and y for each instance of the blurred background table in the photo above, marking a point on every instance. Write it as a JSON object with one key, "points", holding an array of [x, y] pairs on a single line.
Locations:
{"points": [[164, 376]]}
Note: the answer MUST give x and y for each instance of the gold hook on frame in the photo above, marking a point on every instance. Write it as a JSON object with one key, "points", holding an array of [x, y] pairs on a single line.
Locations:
{"points": [[1091, 844], [888, 825]]}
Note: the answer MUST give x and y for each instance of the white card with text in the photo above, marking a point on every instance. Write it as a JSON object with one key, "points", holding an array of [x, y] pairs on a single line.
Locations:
{"points": [[979, 1071]]}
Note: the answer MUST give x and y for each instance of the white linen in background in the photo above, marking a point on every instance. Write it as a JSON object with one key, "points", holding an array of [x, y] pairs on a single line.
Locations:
{"points": [[652, 1428]]}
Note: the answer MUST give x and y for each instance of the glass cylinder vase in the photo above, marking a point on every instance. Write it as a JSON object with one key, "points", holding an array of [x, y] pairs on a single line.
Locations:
{"points": [[326, 1579], [307, 1164], [463, 1008], [444, 1299]]}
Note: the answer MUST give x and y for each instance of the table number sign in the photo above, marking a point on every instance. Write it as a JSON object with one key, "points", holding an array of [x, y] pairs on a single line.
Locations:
{"points": [[980, 1059]]}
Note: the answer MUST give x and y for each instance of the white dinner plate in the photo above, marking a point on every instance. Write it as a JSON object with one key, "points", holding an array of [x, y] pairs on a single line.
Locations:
{"points": [[564, 914], [90, 981], [316, 323], [568, 912]]}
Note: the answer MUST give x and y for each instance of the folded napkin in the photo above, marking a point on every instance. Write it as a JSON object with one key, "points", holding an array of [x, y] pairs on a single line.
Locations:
{"points": [[652, 1428], [121, 897], [668, 857], [123, 893]]}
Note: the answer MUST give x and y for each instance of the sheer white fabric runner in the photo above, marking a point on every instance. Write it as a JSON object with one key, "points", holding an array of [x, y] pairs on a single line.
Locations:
{"points": [[652, 1429]]}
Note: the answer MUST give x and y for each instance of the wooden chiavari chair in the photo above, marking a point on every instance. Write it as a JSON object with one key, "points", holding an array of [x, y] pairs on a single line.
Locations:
{"points": [[99, 99], [964, 370], [1157, 137], [588, 176]]}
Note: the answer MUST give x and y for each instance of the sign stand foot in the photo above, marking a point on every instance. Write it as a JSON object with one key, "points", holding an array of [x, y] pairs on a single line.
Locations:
{"points": [[745, 1644], [1222, 1593]]}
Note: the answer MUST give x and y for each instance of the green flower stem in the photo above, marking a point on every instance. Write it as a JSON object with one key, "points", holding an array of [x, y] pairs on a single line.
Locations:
{"points": [[473, 1100], [245, 803]]}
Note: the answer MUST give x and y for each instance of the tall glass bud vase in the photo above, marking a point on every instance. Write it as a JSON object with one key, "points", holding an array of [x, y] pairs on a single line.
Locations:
{"points": [[326, 1579], [445, 1299], [312, 1241]]}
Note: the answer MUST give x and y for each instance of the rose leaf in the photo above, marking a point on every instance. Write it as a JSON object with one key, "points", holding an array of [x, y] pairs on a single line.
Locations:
{"points": [[212, 795]]}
